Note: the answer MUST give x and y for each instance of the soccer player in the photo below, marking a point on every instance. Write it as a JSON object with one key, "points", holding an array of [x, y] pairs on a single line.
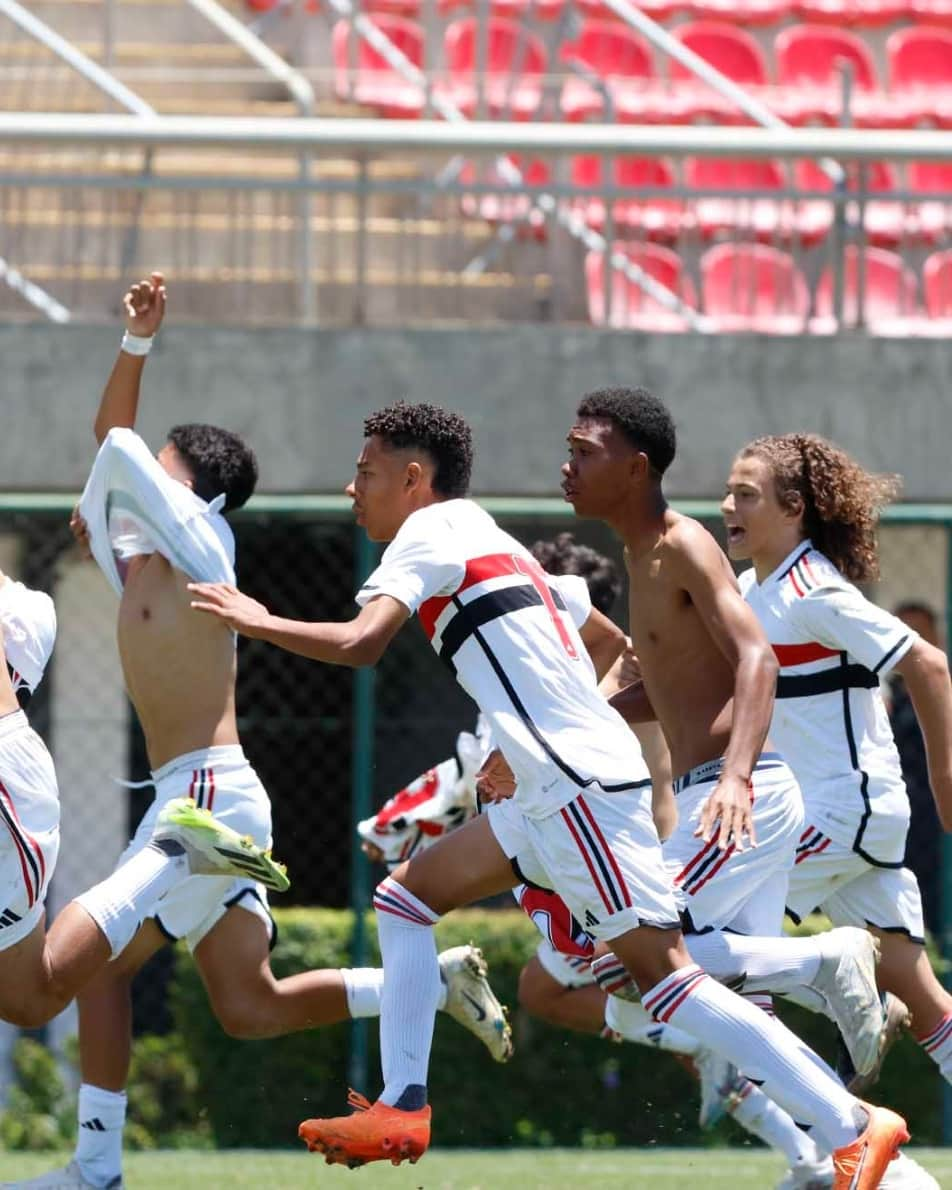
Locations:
{"points": [[152, 524], [804, 514], [580, 808]]}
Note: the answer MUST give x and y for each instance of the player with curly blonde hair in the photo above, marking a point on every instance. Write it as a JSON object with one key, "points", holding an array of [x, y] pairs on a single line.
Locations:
{"points": [[804, 513]]}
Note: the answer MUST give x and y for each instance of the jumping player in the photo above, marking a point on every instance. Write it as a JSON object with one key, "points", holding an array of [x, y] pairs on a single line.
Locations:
{"points": [[580, 808]]}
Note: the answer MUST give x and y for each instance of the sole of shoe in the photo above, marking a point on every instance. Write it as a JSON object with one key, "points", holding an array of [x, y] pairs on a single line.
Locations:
{"points": [[212, 835], [898, 1019]]}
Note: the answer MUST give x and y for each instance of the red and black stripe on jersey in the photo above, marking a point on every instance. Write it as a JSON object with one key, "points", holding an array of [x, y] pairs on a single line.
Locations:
{"points": [[470, 618]]}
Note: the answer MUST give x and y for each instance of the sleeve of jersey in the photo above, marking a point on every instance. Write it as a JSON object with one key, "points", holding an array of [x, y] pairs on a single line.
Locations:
{"points": [[129, 493], [413, 569], [843, 618], [575, 594]]}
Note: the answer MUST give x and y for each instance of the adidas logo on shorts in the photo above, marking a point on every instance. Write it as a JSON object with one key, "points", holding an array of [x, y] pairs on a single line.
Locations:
{"points": [[8, 918]]}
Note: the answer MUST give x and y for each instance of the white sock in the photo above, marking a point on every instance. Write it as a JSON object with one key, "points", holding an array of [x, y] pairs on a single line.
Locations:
{"points": [[761, 1116], [765, 964], [411, 992], [102, 1115], [634, 1023], [760, 1046], [121, 902], [363, 986], [938, 1045]]}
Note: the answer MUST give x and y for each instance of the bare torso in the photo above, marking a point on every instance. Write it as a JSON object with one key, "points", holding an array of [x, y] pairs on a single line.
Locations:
{"points": [[688, 679], [179, 666]]}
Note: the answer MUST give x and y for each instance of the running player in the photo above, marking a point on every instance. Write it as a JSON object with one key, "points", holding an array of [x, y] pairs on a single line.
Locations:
{"points": [[580, 809], [153, 523], [804, 514]]}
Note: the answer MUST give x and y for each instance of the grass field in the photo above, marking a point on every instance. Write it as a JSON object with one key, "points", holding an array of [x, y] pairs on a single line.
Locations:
{"points": [[461, 1169]]}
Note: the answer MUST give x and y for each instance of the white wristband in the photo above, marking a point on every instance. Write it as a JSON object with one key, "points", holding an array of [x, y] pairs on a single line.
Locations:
{"points": [[136, 344]]}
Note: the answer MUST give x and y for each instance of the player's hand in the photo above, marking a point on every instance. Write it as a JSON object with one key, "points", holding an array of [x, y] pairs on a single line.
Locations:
{"points": [[495, 781], [240, 612], [729, 805], [144, 305], [372, 851], [77, 526], [629, 667]]}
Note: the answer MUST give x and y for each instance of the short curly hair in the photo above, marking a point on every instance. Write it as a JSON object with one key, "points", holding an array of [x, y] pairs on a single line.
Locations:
{"points": [[841, 500], [219, 461], [445, 437], [564, 555], [642, 419]]}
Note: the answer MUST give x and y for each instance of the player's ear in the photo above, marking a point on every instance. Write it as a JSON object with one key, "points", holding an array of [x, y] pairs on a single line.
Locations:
{"points": [[413, 475]]}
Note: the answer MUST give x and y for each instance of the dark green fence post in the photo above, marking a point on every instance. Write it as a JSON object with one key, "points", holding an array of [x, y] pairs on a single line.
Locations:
{"points": [[945, 941], [361, 803]]}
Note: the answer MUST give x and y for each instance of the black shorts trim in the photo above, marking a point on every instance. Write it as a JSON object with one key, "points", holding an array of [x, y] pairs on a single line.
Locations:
{"points": [[524, 879], [167, 933]]}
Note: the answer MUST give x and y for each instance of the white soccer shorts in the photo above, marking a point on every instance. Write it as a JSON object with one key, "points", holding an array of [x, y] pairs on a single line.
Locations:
{"points": [[568, 970], [220, 780], [29, 827], [600, 853], [740, 890], [850, 891]]}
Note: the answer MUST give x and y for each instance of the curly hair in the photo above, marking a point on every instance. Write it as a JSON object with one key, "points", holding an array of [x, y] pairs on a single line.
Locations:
{"points": [[564, 555], [642, 419], [841, 501], [444, 436], [219, 460]]}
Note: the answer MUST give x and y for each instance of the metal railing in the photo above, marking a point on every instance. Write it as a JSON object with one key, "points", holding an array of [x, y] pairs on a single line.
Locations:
{"points": [[222, 202]]}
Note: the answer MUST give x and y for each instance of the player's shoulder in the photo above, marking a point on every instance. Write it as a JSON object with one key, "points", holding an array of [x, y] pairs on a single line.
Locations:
{"points": [[809, 575], [688, 546]]}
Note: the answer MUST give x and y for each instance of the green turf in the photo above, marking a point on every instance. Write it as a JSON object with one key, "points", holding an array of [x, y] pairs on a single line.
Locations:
{"points": [[551, 1169]]}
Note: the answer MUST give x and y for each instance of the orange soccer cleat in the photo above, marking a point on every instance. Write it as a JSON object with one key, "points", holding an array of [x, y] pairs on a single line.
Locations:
{"points": [[375, 1132], [861, 1165]]}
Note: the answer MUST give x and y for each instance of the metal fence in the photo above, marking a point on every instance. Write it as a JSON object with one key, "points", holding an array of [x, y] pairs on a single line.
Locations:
{"points": [[378, 230]]}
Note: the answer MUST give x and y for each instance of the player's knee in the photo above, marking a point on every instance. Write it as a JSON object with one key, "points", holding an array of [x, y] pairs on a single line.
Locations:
{"points": [[244, 1018]]}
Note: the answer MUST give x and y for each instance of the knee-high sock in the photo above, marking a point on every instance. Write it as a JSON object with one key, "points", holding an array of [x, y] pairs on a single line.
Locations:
{"points": [[120, 903], [759, 1115], [636, 1024], [364, 986], [760, 1046], [938, 1045], [766, 964], [411, 992]]}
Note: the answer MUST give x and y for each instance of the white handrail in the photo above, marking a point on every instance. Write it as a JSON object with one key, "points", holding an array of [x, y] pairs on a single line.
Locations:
{"points": [[281, 71], [90, 70], [33, 293], [438, 137]]}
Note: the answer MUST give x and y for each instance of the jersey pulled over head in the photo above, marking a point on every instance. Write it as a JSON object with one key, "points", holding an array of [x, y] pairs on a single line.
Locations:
{"points": [[28, 625]]}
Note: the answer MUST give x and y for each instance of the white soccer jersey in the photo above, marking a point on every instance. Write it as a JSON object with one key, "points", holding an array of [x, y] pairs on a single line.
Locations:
{"points": [[502, 626], [829, 719], [131, 506], [28, 624]]}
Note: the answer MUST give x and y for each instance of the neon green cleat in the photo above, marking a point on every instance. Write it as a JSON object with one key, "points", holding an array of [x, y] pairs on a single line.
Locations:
{"points": [[214, 849]]}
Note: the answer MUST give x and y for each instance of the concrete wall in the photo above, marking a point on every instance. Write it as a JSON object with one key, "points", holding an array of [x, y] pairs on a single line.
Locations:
{"points": [[300, 396]]}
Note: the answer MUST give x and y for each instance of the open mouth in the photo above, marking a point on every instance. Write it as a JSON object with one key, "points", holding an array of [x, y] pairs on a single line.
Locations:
{"points": [[735, 534]]}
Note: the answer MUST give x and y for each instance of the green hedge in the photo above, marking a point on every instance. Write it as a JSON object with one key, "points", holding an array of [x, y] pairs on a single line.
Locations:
{"points": [[560, 1088]]}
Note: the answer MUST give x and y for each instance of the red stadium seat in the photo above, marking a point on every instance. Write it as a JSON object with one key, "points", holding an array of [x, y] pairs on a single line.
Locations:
{"points": [[933, 216], [511, 204], [937, 277], [766, 218], [375, 83], [890, 301], [652, 218], [808, 58], [658, 10], [853, 12], [515, 64], [753, 287], [545, 10], [619, 56], [920, 70], [932, 12], [885, 222], [731, 51], [631, 307]]}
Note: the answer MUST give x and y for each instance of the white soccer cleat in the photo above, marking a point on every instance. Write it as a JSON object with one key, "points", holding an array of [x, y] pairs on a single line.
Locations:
{"points": [[903, 1173], [847, 981], [214, 849], [809, 1176], [719, 1082], [898, 1019], [471, 1001], [70, 1178]]}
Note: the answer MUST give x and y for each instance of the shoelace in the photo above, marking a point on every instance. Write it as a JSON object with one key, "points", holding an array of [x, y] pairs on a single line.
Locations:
{"points": [[358, 1101], [850, 1161]]}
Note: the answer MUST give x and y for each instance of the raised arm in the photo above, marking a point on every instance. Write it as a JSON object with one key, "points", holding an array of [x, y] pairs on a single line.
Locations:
{"points": [[355, 643], [925, 670], [702, 570], [144, 306]]}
